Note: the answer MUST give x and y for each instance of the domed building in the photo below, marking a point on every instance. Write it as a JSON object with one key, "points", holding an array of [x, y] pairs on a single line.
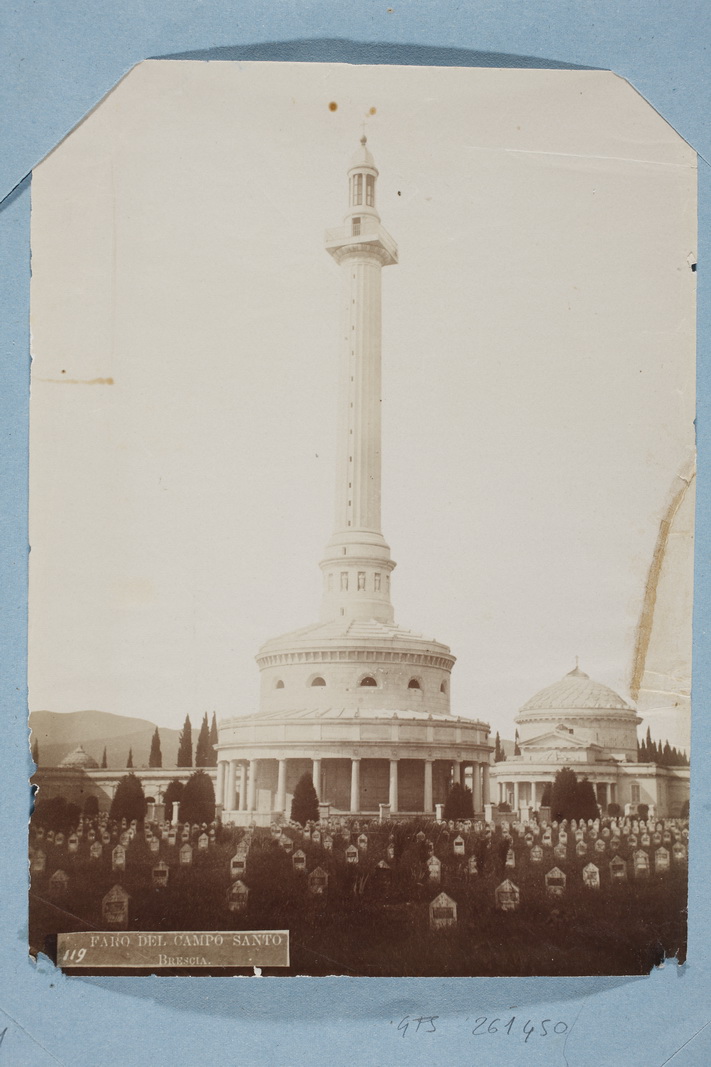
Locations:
{"points": [[361, 703], [583, 724], [79, 760]]}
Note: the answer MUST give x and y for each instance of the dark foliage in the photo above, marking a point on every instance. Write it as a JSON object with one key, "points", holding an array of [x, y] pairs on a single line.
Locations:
{"points": [[643, 810], [104, 763], [685, 810], [664, 755], [459, 803], [504, 806], [129, 800], [129, 761], [212, 754], [499, 754], [564, 795], [185, 744], [91, 807], [197, 803], [614, 810], [155, 758], [304, 805], [546, 797], [173, 793], [202, 748], [57, 813], [517, 750]]}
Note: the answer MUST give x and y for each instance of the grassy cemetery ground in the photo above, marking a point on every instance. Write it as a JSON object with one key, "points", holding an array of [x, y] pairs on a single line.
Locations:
{"points": [[373, 916]]}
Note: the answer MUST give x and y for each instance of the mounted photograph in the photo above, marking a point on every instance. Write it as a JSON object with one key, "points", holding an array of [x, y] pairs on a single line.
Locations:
{"points": [[292, 323]]}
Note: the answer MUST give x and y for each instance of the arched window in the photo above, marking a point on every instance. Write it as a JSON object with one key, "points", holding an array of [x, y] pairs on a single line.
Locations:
{"points": [[368, 680], [318, 681], [279, 684], [414, 684], [443, 687]]}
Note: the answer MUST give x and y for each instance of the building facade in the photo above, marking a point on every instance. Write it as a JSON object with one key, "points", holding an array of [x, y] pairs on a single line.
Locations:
{"points": [[582, 724], [356, 700]]}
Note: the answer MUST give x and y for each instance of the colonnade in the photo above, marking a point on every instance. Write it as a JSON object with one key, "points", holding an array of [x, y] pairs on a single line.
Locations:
{"points": [[237, 783], [529, 791]]}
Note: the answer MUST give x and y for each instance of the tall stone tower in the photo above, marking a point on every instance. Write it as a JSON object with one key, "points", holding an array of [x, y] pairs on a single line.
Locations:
{"points": [[357, 565], [357, 701]]}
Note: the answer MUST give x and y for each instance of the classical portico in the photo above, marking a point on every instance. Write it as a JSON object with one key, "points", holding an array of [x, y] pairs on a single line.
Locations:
{"points": [[357, 701]]}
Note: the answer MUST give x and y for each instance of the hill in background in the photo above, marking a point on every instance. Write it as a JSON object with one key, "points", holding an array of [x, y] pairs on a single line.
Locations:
{"points": [[58, 734]]}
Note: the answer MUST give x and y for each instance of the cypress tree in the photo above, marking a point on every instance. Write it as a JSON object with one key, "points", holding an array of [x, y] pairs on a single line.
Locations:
{"points": [[197, 802], [203, 744], [586, 801], [304, 805], [517, 750], [459, 803], [155, 758], [129, 761], [173, 792], [564, 794], [104, 763], [185, 744], [212, 762], [499, 754], [129, 800], [546, 796]]}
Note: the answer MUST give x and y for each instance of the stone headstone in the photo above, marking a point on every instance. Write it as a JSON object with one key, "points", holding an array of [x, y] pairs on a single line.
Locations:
{"points": [[472, 868], [114, 908], [581, 849], [562, 837], [443, 912], [555, 882], [547, 838], [328, 842], [160, 874], [237, 896], [645, 841], [186, 855], [579, 835], [434, 869], [363, 842], [507, 896], [287, 844], [172, 838], [238, 865], [458, 846], [536, 854], [38, 862], [390, 853], [316, 837], [419, 837], [96, 850], [510, 859], [203, 842], [154, 844], [560, 852], [318, 881], [618, 869], [124, 839], [679, 852], [614, 844], [600, 844], [59, 840], [351, 854], [298, 860], [640, 863], [118, 859], [73, 843], [591, 876], [529, 839], [661, 860], [58, 884]]}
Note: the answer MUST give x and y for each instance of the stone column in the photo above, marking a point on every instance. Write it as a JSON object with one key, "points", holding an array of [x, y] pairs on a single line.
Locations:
{"points": [[242, 787], [393, 794], [281, 786], [456, 772], [476, 786], [316, 776], [534, 795], [252, 786], [428, 785], [485, 783], [516, 797], [229, 786], [355, 785], [220, 783]]}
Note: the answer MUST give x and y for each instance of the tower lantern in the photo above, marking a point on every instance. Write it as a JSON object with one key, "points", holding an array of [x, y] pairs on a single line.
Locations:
{"points": [[362, 176]]}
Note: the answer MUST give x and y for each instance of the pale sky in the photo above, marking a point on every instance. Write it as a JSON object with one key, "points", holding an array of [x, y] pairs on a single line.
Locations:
{"points": [[538, 354]]}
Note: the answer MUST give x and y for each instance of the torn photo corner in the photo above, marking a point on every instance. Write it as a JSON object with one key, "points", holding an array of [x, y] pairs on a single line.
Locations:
{"points": [[292, 323]]}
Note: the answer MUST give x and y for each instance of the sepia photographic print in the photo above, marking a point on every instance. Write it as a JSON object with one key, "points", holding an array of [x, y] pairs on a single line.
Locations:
{"points": [[292, 324]]}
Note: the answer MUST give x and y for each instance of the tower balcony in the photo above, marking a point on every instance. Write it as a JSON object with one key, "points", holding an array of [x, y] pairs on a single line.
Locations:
{"points": [[365, 233]]}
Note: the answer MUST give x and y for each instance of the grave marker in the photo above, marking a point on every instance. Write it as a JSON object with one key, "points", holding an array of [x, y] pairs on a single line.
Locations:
{"points": [[458, 846], [536, 855], [96, 850], [600, 844], [560, 852], [59, 884], [118, 859], [363, 843], [434, 869], [661, 860], [351, 854], [507, 896], [618, 869], [298, 860], [72, 843], [591, 876], [640, 863], [443, 912], [679, 852], [237, 896], [581, 849], [238, 864], [186, 855], [318, 881], [114, 908], [160, 874], [555, 882]]}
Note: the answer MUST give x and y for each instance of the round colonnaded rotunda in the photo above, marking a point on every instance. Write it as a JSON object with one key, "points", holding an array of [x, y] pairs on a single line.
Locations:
{"points": [[356, 700]]}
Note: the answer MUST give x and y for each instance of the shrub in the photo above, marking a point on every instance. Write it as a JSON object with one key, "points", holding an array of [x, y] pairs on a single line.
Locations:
{"points": [[643, 810], [459, 803], [304, 805], [172, 794], [614, 810], [197, 803], [504, 806], [685, 810], [129, 800], [91, 807], [56, 813]]}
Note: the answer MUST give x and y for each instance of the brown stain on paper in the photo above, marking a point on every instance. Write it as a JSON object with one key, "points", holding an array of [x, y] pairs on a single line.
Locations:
{"points": [[646, 619], [77, 381]]}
